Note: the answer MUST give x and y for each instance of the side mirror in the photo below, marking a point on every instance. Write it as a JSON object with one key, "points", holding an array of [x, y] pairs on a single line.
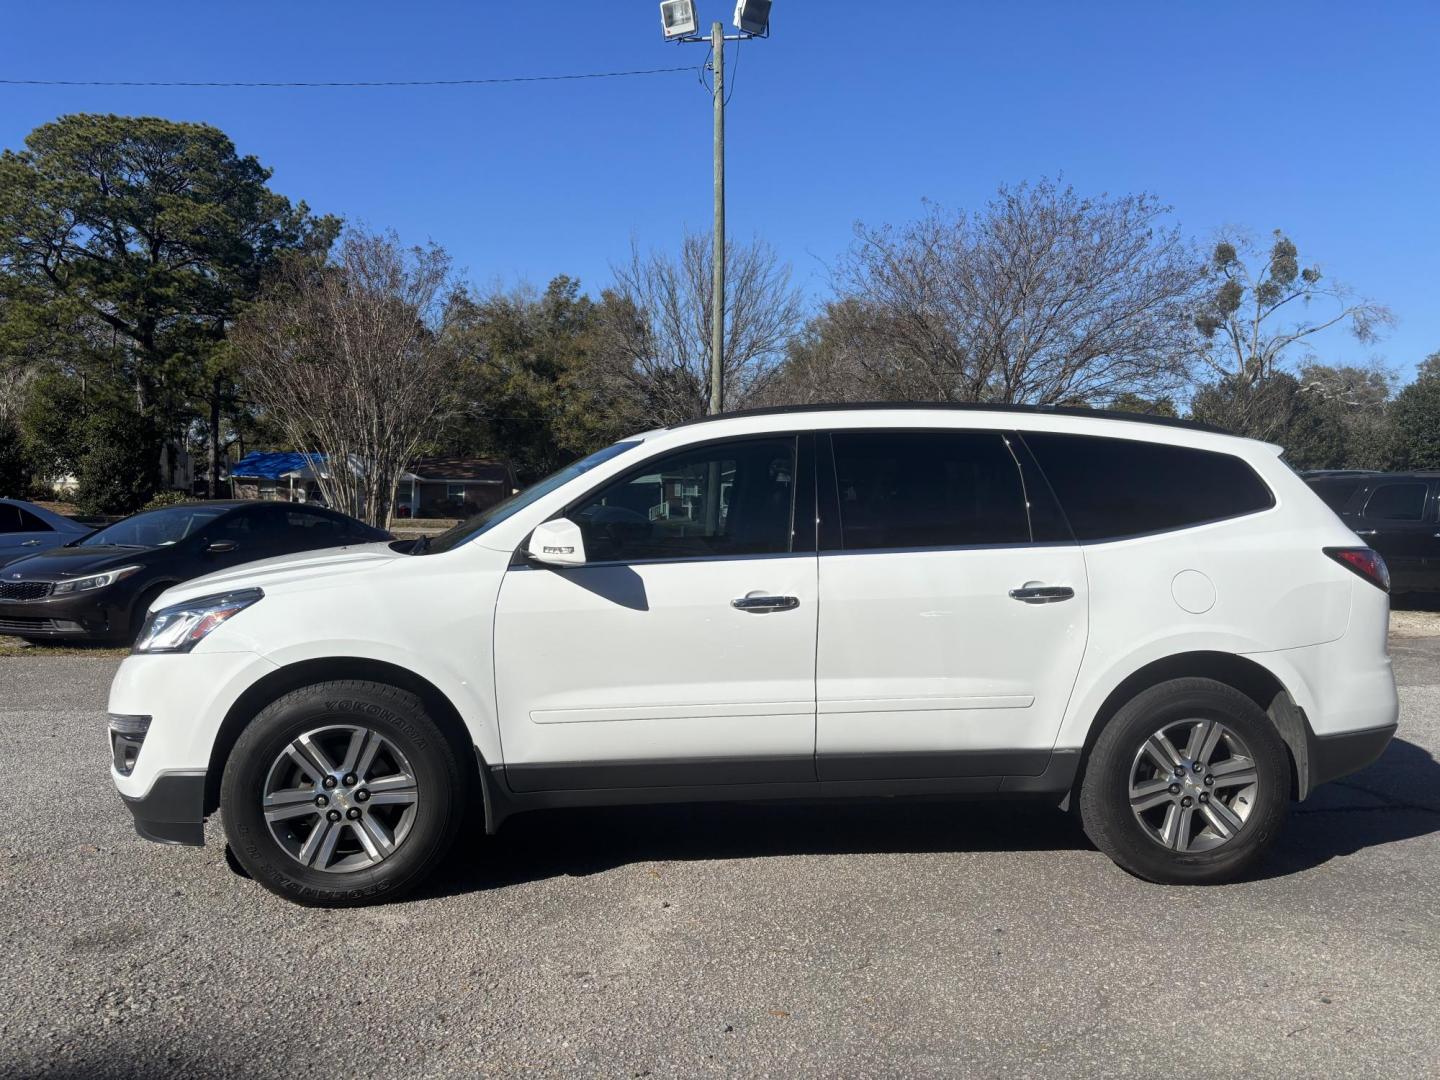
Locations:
{"points": [[557, 543], [220, 547]]}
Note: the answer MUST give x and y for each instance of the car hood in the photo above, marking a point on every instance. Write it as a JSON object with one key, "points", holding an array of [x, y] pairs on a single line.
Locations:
{"points": [[57, 564], [305, 569]]}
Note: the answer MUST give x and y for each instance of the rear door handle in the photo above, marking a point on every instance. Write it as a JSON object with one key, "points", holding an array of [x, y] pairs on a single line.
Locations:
{"points": [[1042, 594], [762, 604]]}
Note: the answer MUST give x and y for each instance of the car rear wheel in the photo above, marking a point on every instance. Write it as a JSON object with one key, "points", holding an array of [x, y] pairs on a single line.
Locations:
{"points": [[1188, 784], [342, 793]]}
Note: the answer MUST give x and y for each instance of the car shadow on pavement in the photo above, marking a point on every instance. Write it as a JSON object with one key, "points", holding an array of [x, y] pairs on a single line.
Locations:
{"points": [[1394, 799], [559, 843], [1397, 798]]}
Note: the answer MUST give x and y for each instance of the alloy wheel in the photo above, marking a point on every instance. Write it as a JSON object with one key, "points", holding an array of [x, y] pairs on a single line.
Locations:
{"points": [[340, 798], [1193, 785]]}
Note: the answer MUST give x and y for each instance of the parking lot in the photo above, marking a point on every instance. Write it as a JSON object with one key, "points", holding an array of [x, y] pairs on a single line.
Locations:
{"points": [[881, 939]]}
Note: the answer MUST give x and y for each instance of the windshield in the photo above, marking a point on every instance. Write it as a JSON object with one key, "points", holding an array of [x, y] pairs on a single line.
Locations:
{"points": [[472, 527], [155, 528]]}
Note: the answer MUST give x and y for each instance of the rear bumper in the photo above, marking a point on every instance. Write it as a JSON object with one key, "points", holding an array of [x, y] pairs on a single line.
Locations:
{"points": [[173, 810], [1334, 756]]}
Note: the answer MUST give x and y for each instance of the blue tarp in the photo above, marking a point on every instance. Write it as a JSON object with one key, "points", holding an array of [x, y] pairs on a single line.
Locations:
{"points": [[271, 465]]}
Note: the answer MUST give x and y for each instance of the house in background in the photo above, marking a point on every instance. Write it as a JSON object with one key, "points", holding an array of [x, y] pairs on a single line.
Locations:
{"points": [[288, 477], [439, 487], [452, 487]]}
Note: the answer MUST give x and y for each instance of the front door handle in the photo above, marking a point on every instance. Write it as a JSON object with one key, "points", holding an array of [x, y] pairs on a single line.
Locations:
{"points": [[30, 543], [761, 604], [1042, 594]]}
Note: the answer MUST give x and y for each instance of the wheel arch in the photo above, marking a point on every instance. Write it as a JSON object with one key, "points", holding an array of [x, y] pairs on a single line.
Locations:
{"points": [[276, 684], [1254, 680]]}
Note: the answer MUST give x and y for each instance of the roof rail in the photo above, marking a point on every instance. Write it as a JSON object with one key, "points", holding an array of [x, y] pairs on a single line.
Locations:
{"points": [[1033, 410]]}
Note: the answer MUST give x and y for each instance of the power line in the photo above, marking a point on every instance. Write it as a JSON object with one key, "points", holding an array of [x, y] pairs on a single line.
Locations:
{"points": [[374, 83]]}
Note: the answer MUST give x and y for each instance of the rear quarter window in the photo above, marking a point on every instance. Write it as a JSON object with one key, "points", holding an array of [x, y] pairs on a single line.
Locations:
{"points": [[1115, 488]]}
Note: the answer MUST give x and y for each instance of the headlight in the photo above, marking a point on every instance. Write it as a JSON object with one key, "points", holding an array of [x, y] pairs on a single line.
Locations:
{"points": [[180, 627], [94, 581]]}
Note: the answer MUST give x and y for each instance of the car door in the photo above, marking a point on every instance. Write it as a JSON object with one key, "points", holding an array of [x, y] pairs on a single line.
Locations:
{"points": [[1397, 520], [683, 652], [952, 608], [241, 536], [22, 533]]}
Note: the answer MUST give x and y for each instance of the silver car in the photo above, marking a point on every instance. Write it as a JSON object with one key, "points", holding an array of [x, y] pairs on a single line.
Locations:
{"points": [[26, 529]]}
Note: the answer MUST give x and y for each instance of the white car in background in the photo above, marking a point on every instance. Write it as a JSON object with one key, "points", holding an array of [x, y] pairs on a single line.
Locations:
{"points": [[1152, 623]]}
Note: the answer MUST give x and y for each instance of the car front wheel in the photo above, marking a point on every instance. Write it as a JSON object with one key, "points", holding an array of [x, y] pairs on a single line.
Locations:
{"points": [[1188, 783], [342, 793]]}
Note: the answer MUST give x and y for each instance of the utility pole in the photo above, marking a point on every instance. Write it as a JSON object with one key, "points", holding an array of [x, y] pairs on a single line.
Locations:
{"points": [[679, 23], [717, 299]]}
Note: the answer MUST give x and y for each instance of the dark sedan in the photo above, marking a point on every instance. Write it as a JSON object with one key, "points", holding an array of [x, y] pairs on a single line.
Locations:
{"points": [[99, 588], [1397, 514]]}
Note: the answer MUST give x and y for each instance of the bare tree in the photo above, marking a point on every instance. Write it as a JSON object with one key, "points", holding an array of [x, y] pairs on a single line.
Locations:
{"points": [[656, 326], [1043, 297], [346, 357], [1243, 317]]}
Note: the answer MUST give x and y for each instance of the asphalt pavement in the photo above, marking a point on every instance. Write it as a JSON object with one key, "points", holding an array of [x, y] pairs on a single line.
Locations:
{"points": [[890, 939]]}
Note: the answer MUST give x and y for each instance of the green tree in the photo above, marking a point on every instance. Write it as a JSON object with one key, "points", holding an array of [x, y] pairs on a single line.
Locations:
{"points": [[131, 243], [1276, 410], [1134, 403], [88, 428], [14, 462], [1417, 418], [120, 464], [1358, 400], [531, 385], [52, 420]]}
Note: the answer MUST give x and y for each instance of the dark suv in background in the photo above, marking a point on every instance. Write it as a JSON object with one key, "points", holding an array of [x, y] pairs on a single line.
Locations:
{"points": [[1397, 514]]}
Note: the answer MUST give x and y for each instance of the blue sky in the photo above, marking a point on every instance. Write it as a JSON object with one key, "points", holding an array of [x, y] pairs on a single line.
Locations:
{"points": [[1319, 118]]}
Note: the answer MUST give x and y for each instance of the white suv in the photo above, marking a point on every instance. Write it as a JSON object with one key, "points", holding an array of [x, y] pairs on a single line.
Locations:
{"points": [[1153, 623]]}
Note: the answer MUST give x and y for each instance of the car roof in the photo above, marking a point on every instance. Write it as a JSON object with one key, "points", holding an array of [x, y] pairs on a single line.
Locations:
{"points": [[972, 407], [49, 515]]}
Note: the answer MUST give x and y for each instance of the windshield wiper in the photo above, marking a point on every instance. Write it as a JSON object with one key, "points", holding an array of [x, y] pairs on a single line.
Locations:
{"points": [[421, 545]]}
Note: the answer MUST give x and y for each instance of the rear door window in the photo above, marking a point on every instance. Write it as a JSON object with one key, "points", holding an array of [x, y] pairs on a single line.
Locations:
{"points": [[9, 518], [922, 489], [1397, 502], [1115, 488], [30, 523]]}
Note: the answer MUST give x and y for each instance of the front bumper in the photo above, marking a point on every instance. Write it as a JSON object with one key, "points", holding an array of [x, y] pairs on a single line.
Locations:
{"points": [[173, 810], [68, 618]]}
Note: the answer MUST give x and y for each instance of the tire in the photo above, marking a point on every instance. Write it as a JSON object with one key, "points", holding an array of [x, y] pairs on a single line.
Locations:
{"points": [[1166, 839], [414, 761]]}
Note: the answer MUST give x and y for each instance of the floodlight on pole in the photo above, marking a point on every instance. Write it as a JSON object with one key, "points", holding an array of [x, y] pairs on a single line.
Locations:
{"points": [[753, 17], [677, 19]]}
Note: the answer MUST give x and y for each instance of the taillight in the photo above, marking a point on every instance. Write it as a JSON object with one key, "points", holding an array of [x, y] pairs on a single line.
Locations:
{"points": [[1364, 561]]}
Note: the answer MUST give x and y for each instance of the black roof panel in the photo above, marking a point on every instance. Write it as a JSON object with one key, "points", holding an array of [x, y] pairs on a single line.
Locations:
{"points": [[1033, 410]]}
